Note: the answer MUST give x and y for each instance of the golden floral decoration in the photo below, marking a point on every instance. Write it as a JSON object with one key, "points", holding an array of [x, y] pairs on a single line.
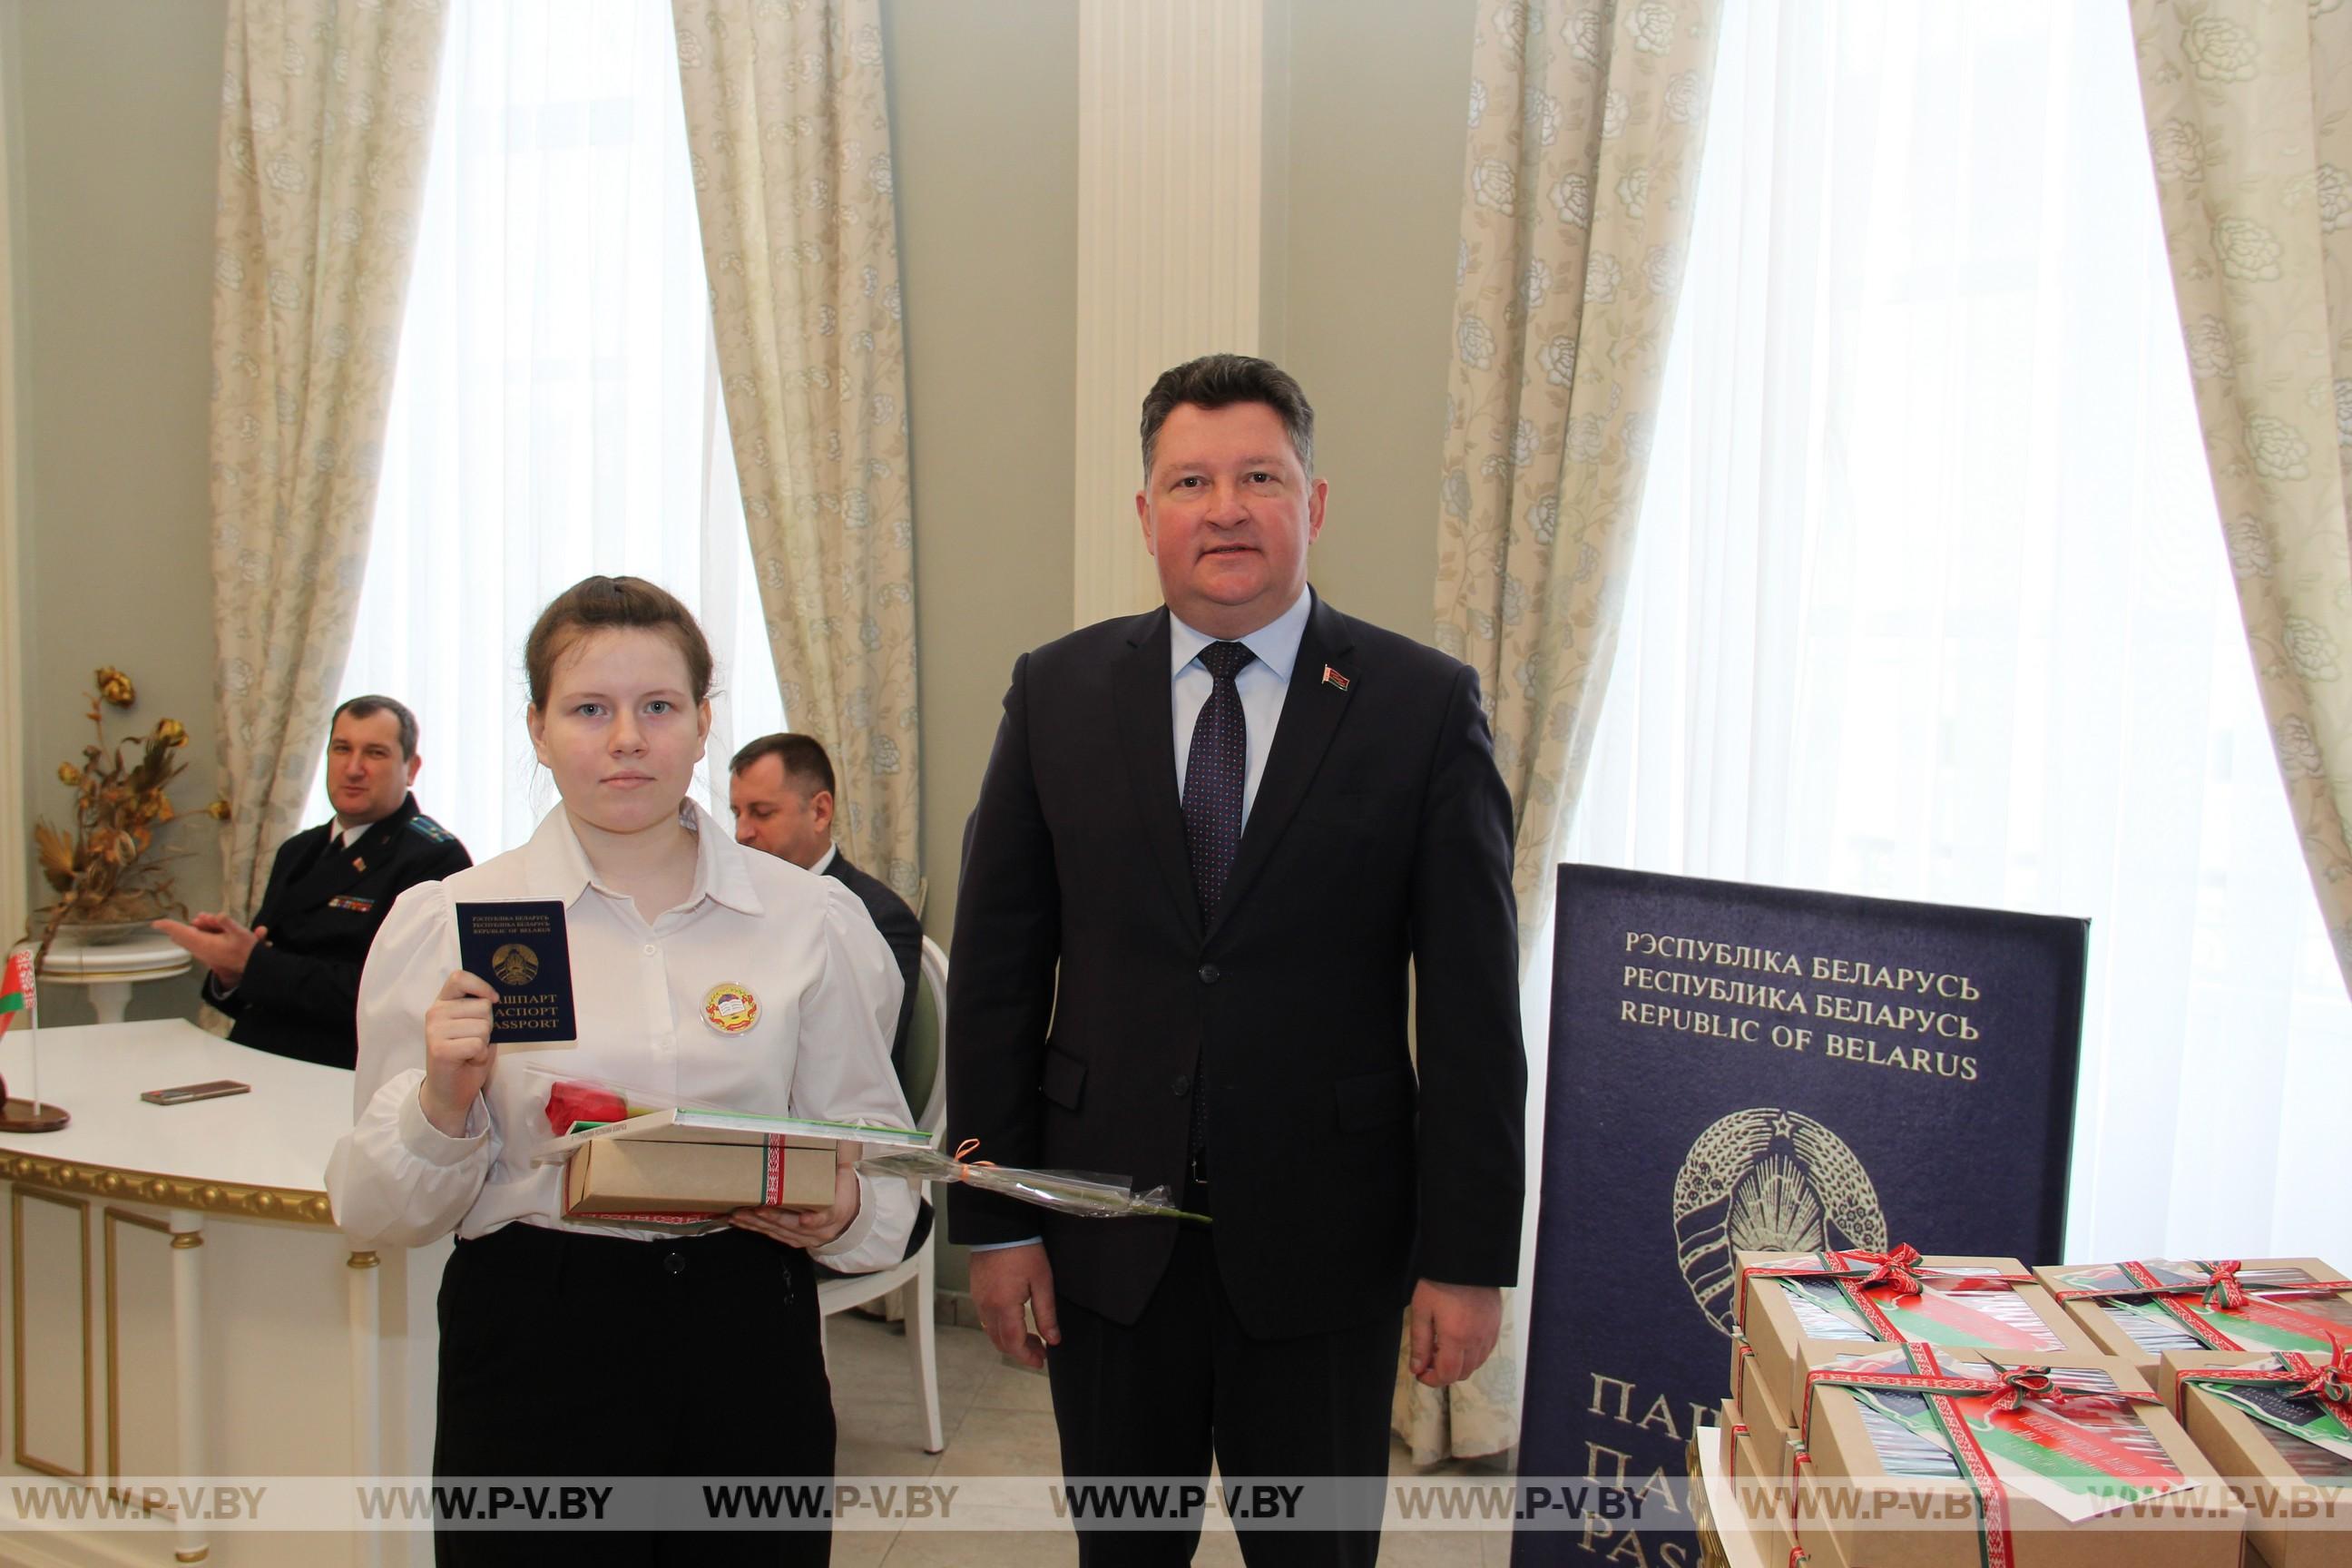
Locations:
{"points": [[106, 869]]}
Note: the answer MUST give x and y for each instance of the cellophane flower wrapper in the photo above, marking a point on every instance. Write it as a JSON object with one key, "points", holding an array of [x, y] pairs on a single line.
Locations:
{"points": [[1085, 1193]]}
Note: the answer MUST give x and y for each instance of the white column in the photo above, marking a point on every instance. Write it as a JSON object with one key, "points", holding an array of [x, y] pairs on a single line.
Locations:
{"points": [[188, 1366], [110, 999], [367, 1388], [1169, 151]]}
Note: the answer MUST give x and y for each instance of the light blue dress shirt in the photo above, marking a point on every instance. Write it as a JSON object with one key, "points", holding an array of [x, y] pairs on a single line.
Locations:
{"points": [[1262, 684]]}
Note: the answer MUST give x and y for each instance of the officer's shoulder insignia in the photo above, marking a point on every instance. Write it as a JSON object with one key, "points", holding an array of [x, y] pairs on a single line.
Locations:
{"points": [[431, 829]]}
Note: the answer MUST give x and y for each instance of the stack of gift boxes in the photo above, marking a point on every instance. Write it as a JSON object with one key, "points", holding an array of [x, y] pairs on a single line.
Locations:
{"points": [[1894, 1411]]}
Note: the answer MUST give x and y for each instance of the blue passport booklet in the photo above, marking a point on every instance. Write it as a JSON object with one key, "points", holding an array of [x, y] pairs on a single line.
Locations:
{"points": [[518, 946]]}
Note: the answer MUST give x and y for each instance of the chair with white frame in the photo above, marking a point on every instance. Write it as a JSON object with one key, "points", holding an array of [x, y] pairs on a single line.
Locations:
{"points": [[915, 1279]]}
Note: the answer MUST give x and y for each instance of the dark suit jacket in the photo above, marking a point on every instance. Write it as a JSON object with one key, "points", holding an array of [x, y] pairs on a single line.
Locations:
{"points": [[300, 994], [901, 930], [1084, 998]]}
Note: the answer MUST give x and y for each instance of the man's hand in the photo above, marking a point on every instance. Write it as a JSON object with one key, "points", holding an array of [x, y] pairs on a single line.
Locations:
{"points": [[458, 1055], [807, 1228], [1002, 1281], [1453, 1329], [217, 943]]}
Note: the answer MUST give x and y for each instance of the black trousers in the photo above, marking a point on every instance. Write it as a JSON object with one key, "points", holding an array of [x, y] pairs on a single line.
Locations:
{"points": [[567, 1356], [1154, 1401]]}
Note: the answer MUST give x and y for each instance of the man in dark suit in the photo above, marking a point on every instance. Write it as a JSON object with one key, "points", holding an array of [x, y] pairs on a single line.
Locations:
{"points": [[291, 981], [780, 788], [1216, 847]]}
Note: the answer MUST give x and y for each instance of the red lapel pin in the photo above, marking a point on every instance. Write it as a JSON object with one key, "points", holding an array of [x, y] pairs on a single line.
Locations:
{"points": [[1333, 677]]}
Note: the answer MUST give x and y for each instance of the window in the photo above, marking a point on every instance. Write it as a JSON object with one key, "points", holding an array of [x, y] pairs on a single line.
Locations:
{"points": [[1930, 598], [556, 411]]}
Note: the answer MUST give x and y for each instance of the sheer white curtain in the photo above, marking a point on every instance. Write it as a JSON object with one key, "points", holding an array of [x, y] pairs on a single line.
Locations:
{"points": [[556, 411], [1930, 599]]}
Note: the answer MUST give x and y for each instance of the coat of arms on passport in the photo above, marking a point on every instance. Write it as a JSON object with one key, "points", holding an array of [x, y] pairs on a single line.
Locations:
{"points": [[521, 947], [1766, 1180]]}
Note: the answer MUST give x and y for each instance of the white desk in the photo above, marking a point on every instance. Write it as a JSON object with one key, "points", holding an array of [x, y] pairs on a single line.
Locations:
{"points": [[216, 1202]]}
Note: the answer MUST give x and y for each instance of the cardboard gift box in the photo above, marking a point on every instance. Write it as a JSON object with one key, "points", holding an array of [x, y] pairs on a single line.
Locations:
{"points": [[1819, 1548], [1773, 1428], [642, 1179], [2077, 1467], [682, 1163], [1767, 1503], [1826, 1305], [2115, 1305], [2297, 1491]]}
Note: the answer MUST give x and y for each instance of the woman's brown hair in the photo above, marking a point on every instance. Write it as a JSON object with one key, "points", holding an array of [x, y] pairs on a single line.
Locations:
{"points": [[613, 604]]}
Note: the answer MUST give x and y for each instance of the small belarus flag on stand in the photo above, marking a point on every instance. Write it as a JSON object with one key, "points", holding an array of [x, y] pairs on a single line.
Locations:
{"points": [[16, 995], [15, 987]]}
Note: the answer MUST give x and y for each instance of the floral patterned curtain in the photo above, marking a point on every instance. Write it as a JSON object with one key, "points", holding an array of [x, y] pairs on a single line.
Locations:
{"points": [[2249, 116], [326, 117], [788, 116], [1586, 125]]}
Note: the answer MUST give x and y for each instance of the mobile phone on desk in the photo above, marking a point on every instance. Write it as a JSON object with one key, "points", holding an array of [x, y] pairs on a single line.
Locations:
{"points": [[188, 1091]]}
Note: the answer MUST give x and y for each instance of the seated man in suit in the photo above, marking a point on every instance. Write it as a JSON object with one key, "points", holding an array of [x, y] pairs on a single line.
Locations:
{"points": [[292, 981], [780, 790]]}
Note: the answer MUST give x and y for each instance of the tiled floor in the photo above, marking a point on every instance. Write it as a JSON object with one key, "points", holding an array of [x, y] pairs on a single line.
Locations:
{"points": [[998, 1422]]}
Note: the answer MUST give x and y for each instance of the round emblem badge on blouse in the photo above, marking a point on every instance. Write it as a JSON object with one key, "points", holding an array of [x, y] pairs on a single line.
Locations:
{"points": [[731, 1008]]}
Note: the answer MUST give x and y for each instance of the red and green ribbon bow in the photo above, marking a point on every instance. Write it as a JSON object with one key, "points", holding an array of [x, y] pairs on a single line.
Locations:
{"points": [[1898, 1271], [2327, 1382], [2222, 1291], [2015, 1389]]}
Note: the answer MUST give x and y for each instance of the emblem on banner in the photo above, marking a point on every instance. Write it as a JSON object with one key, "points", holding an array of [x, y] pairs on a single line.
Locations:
{"points": [[1769, 1181]]}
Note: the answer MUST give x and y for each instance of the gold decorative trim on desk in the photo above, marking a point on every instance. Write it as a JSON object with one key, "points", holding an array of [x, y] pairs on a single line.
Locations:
{"points": [[291, 1204]]}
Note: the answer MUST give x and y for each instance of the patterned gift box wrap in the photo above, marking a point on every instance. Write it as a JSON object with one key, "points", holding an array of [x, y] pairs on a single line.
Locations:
{"points": [[2142, 1309], [1798, 1309], [2285, 1447], [1928, 1458]]}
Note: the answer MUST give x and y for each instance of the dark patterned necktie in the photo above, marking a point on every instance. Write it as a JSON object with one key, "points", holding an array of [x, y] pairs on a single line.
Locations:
{"points": [[1214, 767], [1213, 770]]}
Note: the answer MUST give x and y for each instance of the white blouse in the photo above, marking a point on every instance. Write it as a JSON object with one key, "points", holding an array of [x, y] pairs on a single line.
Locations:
{"points": [[824, 982]]}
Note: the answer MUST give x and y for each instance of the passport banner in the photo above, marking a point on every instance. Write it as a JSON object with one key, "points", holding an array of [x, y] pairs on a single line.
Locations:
{"points": [[1739, 1067]]}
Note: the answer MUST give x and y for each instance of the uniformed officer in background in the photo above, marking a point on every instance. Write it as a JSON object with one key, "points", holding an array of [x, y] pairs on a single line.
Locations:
{"points": [[292, 981]]}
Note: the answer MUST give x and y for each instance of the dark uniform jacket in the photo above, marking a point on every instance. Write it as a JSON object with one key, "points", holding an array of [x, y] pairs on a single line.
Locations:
{"points": [[901, 930], [300, 994], [1087, 1001]]}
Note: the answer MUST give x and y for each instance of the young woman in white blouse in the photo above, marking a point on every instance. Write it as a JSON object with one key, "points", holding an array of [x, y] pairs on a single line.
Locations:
{"points": [[573, 1348]]}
